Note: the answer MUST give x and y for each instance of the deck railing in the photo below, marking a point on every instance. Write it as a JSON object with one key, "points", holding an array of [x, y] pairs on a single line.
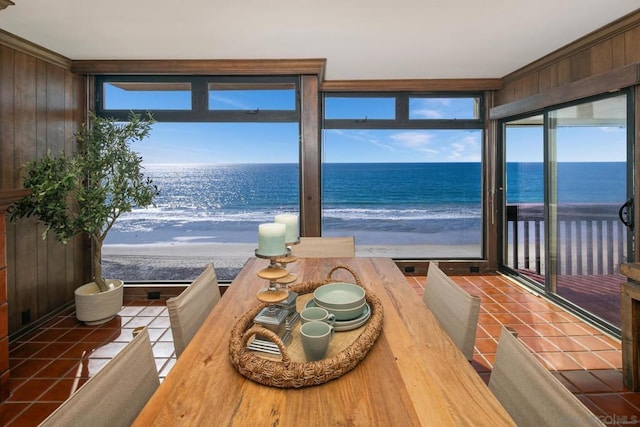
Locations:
{"points": [[591, 239]]}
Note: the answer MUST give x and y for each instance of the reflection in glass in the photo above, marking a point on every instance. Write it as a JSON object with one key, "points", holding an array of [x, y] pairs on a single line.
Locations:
{"points": [[147, 96], [562, 228], [524, 198], [588, 183]]}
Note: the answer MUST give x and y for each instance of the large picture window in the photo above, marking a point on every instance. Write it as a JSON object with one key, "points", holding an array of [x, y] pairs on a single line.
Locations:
{"points": [[225, 155], [403, 174]]}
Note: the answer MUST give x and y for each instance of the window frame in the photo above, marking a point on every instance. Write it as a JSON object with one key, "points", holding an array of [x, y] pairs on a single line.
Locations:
{"points": [[549, 287], [402, 120], [200, 111]]}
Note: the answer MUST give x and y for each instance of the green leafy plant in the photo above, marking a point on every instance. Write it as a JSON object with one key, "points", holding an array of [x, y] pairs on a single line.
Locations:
{"points": [[89, 190]]}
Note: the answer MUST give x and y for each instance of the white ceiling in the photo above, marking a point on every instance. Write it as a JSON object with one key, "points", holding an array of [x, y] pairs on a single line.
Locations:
{"points": [[372, 39]]}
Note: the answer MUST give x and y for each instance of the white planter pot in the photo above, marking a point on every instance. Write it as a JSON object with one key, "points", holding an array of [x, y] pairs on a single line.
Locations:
{"points": [[94, 307]]}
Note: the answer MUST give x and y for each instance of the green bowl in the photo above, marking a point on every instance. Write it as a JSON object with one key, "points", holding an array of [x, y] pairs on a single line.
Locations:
{"points": [[340, 296]]}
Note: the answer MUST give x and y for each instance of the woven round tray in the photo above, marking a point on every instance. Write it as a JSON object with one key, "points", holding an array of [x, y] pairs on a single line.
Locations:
{"points": [[287, 373]]}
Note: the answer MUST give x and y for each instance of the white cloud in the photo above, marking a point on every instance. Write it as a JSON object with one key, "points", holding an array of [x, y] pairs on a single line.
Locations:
{"points": [[412, 145], [362, 136], [465, 149], [418, 141], [427, 113], [429, 108]]}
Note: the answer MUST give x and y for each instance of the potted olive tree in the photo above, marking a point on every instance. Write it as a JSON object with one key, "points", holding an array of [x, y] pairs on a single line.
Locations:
{"points": [[85, 193]]}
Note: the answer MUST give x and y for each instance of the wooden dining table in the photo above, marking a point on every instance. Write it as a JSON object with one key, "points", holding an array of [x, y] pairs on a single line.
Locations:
{"points": [[412, 375]]}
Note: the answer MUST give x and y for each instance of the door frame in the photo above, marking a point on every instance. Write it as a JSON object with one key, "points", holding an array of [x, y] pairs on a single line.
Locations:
{"points": [[548, 289]]}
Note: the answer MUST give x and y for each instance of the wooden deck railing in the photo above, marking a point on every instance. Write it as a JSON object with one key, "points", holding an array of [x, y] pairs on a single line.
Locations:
{"points": [[592, 240]]}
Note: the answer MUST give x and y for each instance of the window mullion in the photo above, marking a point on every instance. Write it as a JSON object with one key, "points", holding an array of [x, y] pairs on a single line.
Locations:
{"points": [[402, 110], [199, 96]]}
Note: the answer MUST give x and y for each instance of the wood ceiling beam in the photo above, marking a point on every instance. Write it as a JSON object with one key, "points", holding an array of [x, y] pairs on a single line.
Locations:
{"points": [[202, 67], [411, 85]]}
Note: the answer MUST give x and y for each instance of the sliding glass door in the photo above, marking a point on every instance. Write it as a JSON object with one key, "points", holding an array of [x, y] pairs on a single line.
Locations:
{"points": [[587, 171], [524, 250], [568, 172]]}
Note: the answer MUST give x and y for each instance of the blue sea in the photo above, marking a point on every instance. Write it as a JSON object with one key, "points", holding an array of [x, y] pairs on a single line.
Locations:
{"points": [[379, 203]]}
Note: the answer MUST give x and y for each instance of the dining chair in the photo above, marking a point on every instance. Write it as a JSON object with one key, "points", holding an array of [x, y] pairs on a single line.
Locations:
{"points": [[455, 309], [325, 247], [116, 394], [188, 310], [530, 393]]}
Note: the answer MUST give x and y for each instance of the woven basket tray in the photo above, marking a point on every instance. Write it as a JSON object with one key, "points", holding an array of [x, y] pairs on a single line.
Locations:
{"points": [[287, 373]]}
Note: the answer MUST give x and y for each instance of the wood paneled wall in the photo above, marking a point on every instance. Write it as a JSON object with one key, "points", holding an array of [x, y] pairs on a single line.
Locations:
{"points": [[41, 106], [611, 48]]}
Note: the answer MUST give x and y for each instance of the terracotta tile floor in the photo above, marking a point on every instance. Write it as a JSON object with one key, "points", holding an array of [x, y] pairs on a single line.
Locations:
{"points": [[50, 363], [47, 365], [586, 360]]}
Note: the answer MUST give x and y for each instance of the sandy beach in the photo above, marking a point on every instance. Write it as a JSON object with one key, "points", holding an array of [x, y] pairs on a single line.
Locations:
{"points": [[183, 261]]}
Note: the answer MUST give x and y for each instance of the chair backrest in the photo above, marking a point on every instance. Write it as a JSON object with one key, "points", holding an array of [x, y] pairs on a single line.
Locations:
{"points": [[116, 394], [188, 310], [456, 310], [530, 393], [325, 247]]}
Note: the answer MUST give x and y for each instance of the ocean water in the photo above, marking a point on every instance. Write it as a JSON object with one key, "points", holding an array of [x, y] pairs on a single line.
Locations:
{"points": [[588, 182], [379, 203]]}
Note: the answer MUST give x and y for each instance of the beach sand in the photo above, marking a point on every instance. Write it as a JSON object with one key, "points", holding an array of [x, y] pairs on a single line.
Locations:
{"points": [[182, 261]]}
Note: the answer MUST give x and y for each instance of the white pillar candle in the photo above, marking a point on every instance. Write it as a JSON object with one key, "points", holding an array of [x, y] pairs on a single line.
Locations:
{"points": [[291, 222], [271, 239]]}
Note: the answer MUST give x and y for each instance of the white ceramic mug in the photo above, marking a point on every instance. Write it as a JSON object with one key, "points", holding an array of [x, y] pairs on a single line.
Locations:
{"points": [[315, 337], [317, 314]]}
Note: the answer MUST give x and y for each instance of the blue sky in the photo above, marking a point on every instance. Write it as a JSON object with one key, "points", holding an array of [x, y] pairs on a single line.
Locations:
{"points": [[221, 143], [278, 142], [574, 144]]}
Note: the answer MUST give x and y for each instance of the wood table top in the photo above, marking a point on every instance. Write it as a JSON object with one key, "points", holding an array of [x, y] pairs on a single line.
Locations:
{"points": [[413, 374]]}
